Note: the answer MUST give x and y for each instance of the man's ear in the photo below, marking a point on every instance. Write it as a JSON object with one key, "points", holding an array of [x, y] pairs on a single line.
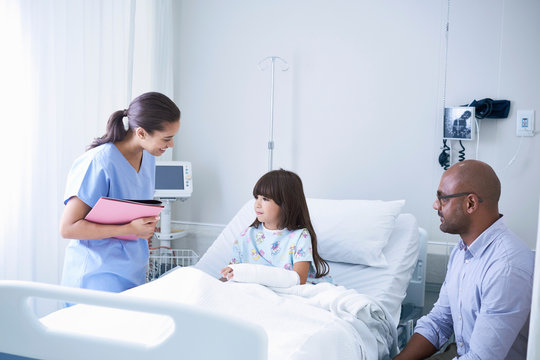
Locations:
{"points": [[472, 203]]}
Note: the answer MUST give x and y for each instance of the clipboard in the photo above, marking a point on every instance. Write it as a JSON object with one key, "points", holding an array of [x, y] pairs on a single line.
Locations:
{"points": [[112, 211]]}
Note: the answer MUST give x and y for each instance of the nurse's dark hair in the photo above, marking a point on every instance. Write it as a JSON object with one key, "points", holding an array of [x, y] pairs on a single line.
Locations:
{"points": [[285, 188], [149, 111]]}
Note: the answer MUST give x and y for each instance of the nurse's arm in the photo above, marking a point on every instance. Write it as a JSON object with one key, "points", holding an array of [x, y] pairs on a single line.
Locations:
{"points": [[73, 225]]}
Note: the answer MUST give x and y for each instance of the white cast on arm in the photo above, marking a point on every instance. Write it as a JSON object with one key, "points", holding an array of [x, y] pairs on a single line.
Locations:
{"points": [[264, 275]]}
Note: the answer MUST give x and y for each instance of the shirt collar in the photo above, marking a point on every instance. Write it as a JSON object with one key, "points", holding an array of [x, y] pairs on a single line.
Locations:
{"points": [[271, 231], [485, 239]]}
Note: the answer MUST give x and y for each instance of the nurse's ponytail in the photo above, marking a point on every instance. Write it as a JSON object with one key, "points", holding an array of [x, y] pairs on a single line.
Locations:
{"points": [[148, 111], [115, 130]]}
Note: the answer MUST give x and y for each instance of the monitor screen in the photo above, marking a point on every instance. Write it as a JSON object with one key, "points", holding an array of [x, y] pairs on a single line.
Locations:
{"points": [[459, 123], [169, 177]]}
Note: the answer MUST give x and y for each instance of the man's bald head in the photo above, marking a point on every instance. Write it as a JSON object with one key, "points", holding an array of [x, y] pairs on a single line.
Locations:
{"points": [[477, 177]]}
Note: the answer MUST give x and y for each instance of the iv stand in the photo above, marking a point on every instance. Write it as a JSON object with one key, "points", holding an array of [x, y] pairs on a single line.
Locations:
{"points": [[284, 67]]}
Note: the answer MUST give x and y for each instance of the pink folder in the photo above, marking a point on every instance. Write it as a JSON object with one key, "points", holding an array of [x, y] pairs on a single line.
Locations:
{"points": [[117, 211]]}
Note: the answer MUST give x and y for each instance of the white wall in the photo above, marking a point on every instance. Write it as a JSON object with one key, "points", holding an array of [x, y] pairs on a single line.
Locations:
{"points": [[493, 50], [358, 113]]}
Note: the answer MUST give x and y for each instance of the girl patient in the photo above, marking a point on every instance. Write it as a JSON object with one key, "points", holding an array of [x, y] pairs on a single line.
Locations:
{"points": [[281, 236]]}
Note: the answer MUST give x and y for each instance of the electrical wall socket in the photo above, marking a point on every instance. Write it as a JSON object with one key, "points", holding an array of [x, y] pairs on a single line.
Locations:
{"points": [[525, 123]]}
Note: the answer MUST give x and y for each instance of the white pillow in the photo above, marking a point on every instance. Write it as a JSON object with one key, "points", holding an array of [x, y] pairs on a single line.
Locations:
{"points": [[353, 231]]}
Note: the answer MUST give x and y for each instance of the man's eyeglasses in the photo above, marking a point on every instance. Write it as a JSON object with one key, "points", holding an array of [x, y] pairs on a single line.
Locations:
{"points": [[442, 198]]}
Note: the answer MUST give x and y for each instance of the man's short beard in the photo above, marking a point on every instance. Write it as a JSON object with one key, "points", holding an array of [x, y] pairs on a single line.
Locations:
{"points": [[449, 230], [459, 224]]}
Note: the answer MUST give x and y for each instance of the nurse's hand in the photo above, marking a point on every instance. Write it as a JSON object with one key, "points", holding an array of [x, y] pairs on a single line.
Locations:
{"points": [[144, 227]]}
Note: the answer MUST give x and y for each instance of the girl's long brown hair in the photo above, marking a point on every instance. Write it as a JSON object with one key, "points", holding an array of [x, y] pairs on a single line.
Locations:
{"points": [[285, 188]]}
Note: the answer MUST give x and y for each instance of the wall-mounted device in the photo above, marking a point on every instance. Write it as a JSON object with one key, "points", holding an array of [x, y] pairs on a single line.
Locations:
{"points": [[525, 123], [173, 181], [459, 123]]}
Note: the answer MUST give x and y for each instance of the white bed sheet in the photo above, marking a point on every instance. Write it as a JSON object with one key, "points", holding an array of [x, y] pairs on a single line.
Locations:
{"points": [[387, 284], [322, 321]]}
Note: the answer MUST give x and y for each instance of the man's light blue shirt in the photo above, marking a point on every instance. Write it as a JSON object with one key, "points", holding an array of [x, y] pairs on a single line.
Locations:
{"points": [[485, 299]]}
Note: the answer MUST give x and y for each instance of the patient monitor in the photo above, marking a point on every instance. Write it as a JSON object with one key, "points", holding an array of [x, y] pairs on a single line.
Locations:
{"points": [[173, 181]]}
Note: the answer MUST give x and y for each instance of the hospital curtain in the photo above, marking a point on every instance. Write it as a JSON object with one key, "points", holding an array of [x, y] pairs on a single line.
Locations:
{"points": [[66, 65]]}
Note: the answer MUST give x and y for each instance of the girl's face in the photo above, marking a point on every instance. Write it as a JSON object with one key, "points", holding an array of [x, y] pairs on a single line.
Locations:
{"points": [[159, 141], [267, 212]]}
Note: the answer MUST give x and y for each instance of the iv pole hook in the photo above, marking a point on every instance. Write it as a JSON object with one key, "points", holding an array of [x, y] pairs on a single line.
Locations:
{"points": [[284, 67]]}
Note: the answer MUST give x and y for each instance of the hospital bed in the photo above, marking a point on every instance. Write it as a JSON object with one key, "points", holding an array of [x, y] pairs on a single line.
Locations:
{"points": [[372, 249]]}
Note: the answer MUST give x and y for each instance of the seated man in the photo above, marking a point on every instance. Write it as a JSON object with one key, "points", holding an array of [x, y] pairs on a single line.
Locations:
{"points": [[486, 297]]}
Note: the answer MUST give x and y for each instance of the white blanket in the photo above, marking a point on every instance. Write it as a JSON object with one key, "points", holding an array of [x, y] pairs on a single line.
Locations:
{"points": [[302, 322], [363, 312]]}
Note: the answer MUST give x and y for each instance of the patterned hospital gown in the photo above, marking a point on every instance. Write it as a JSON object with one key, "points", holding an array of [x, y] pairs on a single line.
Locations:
{"points": [[279, 248]]}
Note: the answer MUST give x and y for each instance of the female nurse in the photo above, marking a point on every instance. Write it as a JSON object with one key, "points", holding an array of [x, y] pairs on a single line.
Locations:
{"points": [[120, 164]]}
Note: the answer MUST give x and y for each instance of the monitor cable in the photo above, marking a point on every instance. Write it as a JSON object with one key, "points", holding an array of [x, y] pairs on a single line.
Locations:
{"points": [[461, 152]]}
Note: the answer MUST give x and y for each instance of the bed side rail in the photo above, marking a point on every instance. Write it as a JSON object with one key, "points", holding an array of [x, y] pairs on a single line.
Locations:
{"points": [[197, 334]]}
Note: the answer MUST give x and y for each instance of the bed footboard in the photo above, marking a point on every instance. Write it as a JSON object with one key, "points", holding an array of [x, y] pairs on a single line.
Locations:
{"points": [[197, 333]]}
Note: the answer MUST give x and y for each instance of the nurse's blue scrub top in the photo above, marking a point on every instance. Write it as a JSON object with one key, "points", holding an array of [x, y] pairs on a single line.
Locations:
{"points": [[107, 264]]}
